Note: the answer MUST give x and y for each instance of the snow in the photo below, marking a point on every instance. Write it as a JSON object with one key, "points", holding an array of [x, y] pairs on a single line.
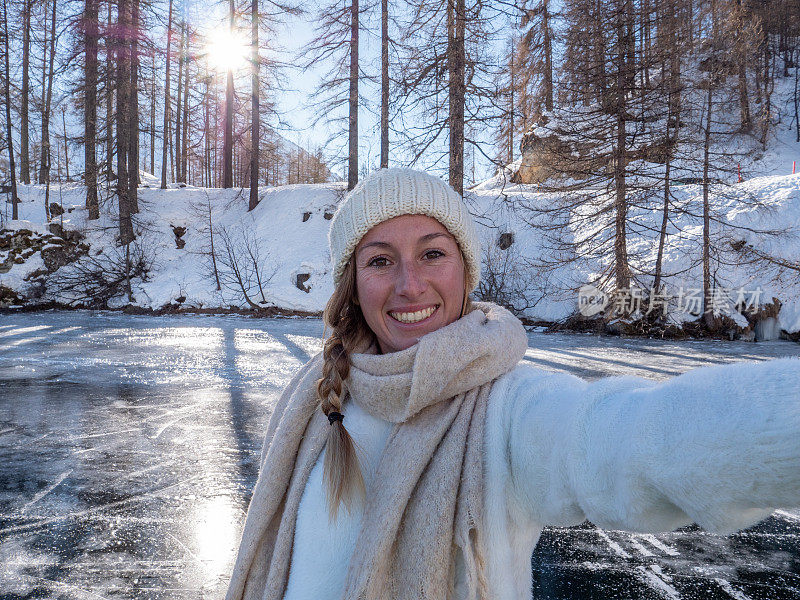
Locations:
{"points": [[760, 215], [287, 246]]}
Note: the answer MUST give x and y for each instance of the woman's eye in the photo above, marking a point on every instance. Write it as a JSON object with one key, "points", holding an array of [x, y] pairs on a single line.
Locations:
{"points": [[378, 261], [431, 254]]}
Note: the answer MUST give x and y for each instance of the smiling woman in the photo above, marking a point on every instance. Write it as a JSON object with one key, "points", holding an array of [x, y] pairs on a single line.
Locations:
{"points": [[455, 454], [410, 280], [227, 50]]}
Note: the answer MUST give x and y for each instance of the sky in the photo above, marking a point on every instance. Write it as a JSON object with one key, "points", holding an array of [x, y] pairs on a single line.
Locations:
{"points": [[295, 101]]}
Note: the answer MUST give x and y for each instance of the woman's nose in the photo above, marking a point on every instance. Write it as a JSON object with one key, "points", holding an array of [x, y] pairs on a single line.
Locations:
{"points": [[409, 280]]}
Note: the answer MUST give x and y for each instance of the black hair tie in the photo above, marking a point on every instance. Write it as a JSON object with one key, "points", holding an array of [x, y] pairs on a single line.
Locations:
{"points": [[335, 416]]}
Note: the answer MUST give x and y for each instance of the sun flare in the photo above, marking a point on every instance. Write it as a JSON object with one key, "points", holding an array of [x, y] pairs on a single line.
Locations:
{"points": [[227, 50]]}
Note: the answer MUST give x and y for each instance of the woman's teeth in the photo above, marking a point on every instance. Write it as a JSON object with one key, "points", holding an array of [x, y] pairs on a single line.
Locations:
{"points": [[414, 316]]}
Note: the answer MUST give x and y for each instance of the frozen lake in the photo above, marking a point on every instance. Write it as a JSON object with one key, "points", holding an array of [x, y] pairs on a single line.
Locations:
{"points": [[129, 446]]}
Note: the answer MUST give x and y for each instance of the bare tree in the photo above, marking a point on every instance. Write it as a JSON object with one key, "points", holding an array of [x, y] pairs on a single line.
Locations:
{"points": [[384, 84], [508, 279], [96, 279], [25, 174], [227, 143], [10, 139], [244, 265], [165, 133], [178, 98], [255, 133], [90, 32], [336, 43], [352, 131], [44, 165]]}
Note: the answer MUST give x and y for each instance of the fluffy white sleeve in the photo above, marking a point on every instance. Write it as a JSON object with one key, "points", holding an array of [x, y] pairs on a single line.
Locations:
{"points": [[718, 446]]}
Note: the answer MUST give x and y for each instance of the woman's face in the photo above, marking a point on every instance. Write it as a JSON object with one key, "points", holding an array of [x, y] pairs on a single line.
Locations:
{"points": [[409, 279]]}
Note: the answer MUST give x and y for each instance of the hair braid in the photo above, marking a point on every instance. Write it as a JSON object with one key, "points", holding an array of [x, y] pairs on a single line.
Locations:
{"points": [[349, 332]]}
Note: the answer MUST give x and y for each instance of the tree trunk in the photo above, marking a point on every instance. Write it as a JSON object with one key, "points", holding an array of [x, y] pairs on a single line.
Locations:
{"points": [[7, 56], [768, 83], [185, 132], [512, 76], [178, 100], [90, 33], [153, 118], [206, 137], [25, 171], [673, 120], [227, 142], [44, 167], [600, 54], [708, 316], [456, 59], [165, 133], [133, 108], [255, 135], [744, 101], [384, 84], [123, 114], [621, 269], [66, 144], [110, 78], [352, 156], [548, 56], [796, 98]]}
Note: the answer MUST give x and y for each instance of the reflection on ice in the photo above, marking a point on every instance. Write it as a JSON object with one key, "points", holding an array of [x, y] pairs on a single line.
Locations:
{"points": [[216, 527]]}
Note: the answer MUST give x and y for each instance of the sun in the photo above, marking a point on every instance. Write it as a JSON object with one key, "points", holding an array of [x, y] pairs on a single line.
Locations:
{"points": [[227, 50]]}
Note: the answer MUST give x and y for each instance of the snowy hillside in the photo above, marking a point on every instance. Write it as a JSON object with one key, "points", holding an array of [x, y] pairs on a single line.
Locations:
{"points": [[286, 237]]}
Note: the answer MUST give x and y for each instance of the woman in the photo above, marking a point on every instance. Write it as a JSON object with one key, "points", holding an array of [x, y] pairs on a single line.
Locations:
{"points": [[459, 456]]}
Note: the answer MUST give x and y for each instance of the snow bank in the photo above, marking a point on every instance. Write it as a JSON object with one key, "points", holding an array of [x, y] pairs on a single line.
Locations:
{"points": [[288, 234]]}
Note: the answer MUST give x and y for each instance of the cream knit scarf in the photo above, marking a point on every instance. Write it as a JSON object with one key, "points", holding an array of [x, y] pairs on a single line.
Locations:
{"points": [[425, 504]]}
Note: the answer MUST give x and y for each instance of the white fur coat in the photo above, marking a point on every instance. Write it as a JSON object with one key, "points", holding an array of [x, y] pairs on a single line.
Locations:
{"points": [[719, 446]]}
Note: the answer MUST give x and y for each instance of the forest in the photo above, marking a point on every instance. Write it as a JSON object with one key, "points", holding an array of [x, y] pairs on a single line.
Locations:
{"points": [[606, 105]]}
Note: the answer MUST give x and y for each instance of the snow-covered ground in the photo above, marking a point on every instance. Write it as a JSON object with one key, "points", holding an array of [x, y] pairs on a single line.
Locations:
{"points": [[285, 237], [287, 232], [129, 448]]}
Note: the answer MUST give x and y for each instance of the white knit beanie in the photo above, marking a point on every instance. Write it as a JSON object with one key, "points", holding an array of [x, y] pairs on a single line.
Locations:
{"points": [[389, 193]]}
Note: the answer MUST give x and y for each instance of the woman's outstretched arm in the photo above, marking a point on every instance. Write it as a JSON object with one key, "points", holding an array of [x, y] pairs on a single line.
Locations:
{"points": [[718, 446]]}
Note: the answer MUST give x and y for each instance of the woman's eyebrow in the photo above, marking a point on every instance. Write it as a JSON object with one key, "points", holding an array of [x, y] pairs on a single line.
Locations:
{"points": [[430, 236], [425, 238], [371, 244]]}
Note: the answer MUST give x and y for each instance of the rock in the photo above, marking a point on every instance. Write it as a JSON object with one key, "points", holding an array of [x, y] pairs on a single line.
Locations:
{"points": [[8, 296], [179, 233], [56, 210], [505, 240], [328, 215], [301, 280], [56, 257], [132, 309], [306, 216]]}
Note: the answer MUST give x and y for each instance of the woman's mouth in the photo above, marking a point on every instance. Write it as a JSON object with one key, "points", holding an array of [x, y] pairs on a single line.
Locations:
{"points": [[412, 318]]}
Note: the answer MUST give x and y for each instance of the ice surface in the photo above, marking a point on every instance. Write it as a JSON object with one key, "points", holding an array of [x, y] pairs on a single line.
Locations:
{"points": [[129, 446]]}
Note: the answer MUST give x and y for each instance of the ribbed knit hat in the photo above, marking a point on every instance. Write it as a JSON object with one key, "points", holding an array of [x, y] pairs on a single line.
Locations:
{"points": [[389, 193]]}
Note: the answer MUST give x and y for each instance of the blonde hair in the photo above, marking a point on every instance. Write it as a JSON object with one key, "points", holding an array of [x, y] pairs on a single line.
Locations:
{"points": [[350, 333]]}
